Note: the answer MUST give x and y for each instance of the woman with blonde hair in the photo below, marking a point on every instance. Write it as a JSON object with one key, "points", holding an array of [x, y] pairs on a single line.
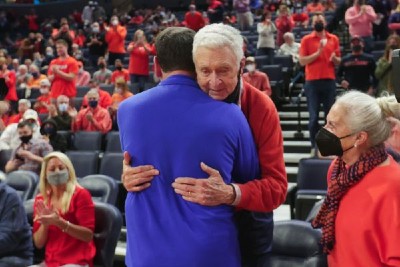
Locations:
{"points": [[140, 51], [360, 216], [64, 217], [383, 71]]}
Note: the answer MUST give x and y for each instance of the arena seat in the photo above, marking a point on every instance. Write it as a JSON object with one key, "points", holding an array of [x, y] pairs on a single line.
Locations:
{"points": [[103, 188]]}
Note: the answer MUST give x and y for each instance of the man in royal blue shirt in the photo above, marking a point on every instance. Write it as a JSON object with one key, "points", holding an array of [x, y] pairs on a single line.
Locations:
{"points": [[173, 127]]}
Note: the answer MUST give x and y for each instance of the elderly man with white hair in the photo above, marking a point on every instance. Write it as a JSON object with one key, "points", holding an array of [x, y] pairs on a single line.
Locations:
{"points": [[218, 58], [92, 118], [290, 47]]}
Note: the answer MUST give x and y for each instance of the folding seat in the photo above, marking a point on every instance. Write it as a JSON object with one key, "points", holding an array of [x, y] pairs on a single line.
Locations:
{"points": [[113, 143], [85, 162], [24, 182], [103, 188], [90, 141]]}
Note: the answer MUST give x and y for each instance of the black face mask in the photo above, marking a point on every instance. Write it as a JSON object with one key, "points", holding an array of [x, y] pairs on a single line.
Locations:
{"points": [[234, 96], [101, 65], [329, 144], [319, 26], [119, 68], [357, 48], [25, 139]]}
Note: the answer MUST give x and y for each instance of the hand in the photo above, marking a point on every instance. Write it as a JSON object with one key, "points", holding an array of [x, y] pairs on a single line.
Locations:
{"points": [[45, 215], [46, 138], [345, 84], [211, 191], [72, 112], [26, 154], [363, 9], [55, 69], [52, 110], [136, 179], [89, 116], [333, 58]]}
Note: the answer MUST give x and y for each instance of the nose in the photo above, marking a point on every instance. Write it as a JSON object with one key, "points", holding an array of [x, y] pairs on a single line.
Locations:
{"points": [[214, 81]]}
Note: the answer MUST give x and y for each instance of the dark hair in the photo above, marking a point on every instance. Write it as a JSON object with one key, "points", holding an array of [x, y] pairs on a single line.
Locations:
{"points": [[174, 49], [24, 123]]}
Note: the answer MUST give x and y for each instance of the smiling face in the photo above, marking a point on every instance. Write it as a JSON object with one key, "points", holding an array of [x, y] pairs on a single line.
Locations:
{"points": [[217, 71]]}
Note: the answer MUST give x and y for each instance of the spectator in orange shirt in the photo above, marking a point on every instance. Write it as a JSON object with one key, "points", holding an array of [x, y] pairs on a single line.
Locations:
{"points": [[92, 118], [34, 81], [80, 38], [319, 53], [121, 93], [83, 77], [315, 6], [115, 38], [140, 51], [105, 100], [256, 78], [193, 19], [43, 101], [10, 91], [64, 33], [62, 73], [119, 72]]}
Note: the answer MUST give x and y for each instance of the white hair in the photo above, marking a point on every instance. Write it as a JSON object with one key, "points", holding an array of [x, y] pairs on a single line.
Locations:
{"points": [[289, 34], [217, 36], [365, 113], [23, 67], [26, 102]]}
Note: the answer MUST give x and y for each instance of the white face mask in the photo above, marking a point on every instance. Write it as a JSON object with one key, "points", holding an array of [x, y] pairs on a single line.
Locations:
{"points": [[44, 91], [63, 107], [95, 29], [114, 22], [250, 67], [118, 91]]}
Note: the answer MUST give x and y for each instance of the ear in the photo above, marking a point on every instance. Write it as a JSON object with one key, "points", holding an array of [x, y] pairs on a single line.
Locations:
{"points": [[157, 68], [362, 138], [242, 64]]}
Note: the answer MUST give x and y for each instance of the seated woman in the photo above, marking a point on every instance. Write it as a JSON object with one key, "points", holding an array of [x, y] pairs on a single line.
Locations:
{"points": [[121, 93], [63, 215], [359, 217]]}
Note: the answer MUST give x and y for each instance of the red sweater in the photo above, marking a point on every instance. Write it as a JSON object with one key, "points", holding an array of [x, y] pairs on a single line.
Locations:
{"points": [[268, 192], [367, 226], [61, 248]]}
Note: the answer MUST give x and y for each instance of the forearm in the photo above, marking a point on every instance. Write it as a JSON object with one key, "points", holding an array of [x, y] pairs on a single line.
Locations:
{"points": [[304, 60], [10, 166], [66, 76], [40, 237], [79, 232]]}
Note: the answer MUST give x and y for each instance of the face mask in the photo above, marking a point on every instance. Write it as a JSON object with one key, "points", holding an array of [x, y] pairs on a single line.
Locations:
{"points": [[58, 177], [319, 26], [101, 65], [63, 107], [329, 144], [25, 139], [49, 54], [119, 68], [393, 47], [49, 130], [44, 91], [250, 67], [114, 22], [118, 91], [93, 103], [234, 96], [357, 48], [95, 29], [80, 71], [35, 75]]}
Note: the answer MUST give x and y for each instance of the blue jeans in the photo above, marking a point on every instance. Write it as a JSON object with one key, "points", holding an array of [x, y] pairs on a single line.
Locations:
{"points": [[318, 92]]}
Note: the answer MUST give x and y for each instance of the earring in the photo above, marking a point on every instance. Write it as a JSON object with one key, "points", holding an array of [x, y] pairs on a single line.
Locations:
{"points": [[355, 145]]}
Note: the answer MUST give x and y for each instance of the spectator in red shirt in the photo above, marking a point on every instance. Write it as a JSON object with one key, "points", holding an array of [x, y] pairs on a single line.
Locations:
{"points": [[193, 19], [119, 72], [80, 38], [137, 19], [256, 78], [64, 216], [10, 91], [62, 73], [299, 16], [315, 6], [140, 51], [284, 23], [92, 118], [32, 21], [23, 105], [43, 101], [105, 99], [115, 38]]}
